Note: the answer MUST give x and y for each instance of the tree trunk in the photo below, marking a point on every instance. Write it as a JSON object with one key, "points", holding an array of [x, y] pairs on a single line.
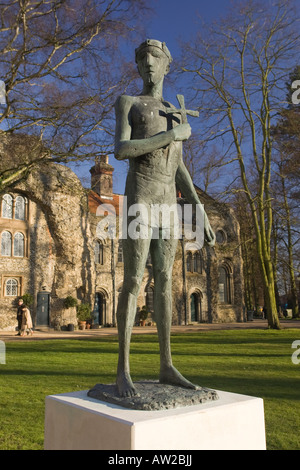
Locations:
{"points": [[272, 314], [264, 254]]}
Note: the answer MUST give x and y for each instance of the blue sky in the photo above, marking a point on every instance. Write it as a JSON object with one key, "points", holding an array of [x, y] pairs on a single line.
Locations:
{"points": [[173, 20], [179, 19]]}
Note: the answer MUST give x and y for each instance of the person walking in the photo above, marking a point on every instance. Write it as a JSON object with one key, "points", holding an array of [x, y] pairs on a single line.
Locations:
{"points": [[26, 321], [20, 315]]}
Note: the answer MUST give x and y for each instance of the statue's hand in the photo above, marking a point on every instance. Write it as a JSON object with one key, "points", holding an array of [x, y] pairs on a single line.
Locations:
{"points": [[182, 132], [209, 235]]}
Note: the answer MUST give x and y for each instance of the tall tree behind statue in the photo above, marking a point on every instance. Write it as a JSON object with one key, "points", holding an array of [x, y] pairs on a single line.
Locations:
{"points": [[239, 68]]}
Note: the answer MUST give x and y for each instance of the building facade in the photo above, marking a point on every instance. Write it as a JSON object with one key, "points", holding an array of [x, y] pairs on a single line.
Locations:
{"points": [[51, 248]]}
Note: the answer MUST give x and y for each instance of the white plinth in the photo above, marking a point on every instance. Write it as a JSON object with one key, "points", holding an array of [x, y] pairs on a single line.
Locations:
{"points": [[73, 421]]}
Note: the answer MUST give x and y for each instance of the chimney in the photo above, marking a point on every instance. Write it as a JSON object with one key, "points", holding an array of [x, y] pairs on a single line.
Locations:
{"points": [[102, 177]]}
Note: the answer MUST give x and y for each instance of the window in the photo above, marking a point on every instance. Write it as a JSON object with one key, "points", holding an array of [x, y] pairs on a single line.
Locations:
{"points": [[11, 288], [20, 208], [7, 206], [19, 244], [189, 263], [194, 262], [120, 251], [18, 249], [224, 285], [13, 207], [98, 252], [6, 242], [221, 237], [197, 262]]}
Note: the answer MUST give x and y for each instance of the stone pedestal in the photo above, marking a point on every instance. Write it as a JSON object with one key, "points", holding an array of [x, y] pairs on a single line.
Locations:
{"points": [[74, 421]]}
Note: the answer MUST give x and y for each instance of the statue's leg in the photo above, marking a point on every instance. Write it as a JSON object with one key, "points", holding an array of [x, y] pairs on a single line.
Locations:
{"points": [[135, 254], [163, 253]]}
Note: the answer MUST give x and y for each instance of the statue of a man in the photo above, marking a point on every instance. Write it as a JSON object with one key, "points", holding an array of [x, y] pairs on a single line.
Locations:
{"points": [[151, 139]]}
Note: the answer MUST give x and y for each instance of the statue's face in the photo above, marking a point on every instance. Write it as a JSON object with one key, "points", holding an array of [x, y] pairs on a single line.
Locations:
{"points": [[153, 65]]}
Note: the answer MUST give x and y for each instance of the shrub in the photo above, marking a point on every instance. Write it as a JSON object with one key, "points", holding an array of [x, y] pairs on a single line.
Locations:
{"points": [[70, 302], [27, 299], [84, 312]]}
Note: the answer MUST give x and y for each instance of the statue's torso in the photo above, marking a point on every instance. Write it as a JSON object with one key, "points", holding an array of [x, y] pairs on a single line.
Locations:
{"points": [[151, 177]]}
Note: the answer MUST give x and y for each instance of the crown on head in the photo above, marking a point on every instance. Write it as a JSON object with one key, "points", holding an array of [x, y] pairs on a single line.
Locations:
{"points": [[153, 42]]}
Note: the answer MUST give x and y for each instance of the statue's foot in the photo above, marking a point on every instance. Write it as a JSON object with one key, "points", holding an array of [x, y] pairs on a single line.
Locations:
{"points": [[125, 385], [170, 375]]}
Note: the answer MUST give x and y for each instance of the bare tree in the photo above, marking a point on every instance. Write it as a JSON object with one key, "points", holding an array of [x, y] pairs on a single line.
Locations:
{"points": [[239, 68], [291, 237], [62, 68], [205, 172], [253, 291], [286, 136]]}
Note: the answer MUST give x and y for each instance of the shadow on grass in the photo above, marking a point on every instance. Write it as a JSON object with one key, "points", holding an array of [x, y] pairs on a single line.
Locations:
{"points": [[266, 388]]}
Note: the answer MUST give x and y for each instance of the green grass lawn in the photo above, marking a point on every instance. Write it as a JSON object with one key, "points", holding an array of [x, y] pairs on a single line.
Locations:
{"points": [[251, 362]]}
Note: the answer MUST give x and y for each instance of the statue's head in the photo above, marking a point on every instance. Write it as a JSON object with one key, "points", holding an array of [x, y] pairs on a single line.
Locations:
{"points": [[153, 43], [153, 59]]}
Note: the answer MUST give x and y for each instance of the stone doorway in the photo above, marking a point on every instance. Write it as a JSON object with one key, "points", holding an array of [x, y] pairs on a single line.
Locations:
{"points": [[43, 309], [100, 308], [196, 307]]}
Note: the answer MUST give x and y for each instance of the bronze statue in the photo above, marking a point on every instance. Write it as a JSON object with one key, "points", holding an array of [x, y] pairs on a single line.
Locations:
{"points": [[149, 133]]}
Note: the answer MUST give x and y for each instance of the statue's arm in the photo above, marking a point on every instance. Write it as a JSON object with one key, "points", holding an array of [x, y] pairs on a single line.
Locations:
{"points": [[185, 184], [127, 148]]}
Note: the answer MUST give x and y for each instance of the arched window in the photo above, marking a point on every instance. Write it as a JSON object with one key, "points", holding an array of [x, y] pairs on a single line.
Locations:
{"points": [[197, 262], [194, 262], [189, 262], [19, 245], [11, 288], [7, 206], [20, 208], [224, 285], [98, 250], [6, 242]]}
